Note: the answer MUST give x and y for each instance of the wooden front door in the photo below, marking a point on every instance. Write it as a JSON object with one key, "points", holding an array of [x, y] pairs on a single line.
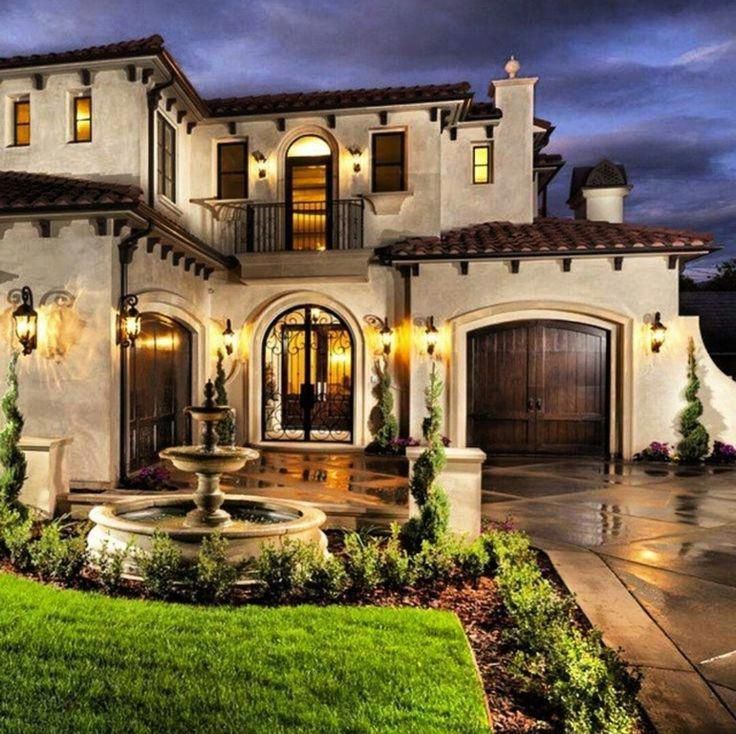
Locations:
{"points": [[538, 387], [160, 388], [308, 203]]}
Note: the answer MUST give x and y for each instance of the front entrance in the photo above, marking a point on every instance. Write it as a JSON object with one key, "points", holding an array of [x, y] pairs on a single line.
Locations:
{"points": [[307, 377], [160, 387], [539, 387]]}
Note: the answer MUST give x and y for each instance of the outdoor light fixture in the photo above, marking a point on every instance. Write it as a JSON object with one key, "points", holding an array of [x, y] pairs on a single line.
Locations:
{"points": [[384, 330], [431, 335], [260, 159], [356, 152], [129, 321], [658, 333], [26, 321], [228, 338]]}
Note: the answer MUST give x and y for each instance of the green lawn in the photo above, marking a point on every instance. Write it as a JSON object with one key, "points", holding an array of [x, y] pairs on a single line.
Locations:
{"points": [[81, 662]]}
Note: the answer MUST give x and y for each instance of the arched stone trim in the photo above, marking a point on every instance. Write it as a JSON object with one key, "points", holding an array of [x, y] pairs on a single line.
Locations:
{"points": [[261, 318], [622, 370]]}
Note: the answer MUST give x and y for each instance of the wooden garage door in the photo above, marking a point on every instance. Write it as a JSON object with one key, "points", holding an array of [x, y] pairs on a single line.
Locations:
{"points": [[538, 387]]}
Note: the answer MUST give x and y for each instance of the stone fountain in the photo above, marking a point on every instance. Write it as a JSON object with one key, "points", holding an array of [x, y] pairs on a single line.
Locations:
{"points": [[247, 522]]}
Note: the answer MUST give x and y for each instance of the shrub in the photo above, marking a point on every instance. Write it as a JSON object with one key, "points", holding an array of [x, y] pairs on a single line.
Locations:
{"points": [[16, 533], [472, 560], [161, 567], [12, 459], [57, 558], [395, 566], [110, 568], [225, 429], [325, 578], [722, 453], [694, 444], [435, 562], [387, 428], [362, 563], [214, 577], [656, 451], [281, 570]]}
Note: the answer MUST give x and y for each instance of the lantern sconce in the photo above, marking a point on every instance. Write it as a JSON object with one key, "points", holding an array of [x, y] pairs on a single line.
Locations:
{"points": [[658, 330], [356, 152], [129, 321], [228, 338], [384, 330], [431, 335], [25, 319], [260, 159]]}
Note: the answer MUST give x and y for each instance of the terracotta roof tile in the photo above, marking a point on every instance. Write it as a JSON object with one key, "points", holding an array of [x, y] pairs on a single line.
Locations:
{"points": [[125, 49], [28, 191], [483, 111], [329, 100], [544, 236]]}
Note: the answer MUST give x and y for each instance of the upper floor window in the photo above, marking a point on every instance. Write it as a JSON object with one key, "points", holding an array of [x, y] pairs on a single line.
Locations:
{"points": [[482, 164], [82, 119], [22, 122], [166, 158], [232, 170], [389, 161]]}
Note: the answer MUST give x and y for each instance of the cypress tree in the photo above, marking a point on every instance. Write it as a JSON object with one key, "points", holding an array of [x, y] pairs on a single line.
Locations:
{"points": [[226, 427], [389, 427], [12, 459], [694, 444]]}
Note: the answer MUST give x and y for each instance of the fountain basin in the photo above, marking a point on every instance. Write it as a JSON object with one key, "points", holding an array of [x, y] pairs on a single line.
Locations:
{"points": [[195, 459], [255, 522]]}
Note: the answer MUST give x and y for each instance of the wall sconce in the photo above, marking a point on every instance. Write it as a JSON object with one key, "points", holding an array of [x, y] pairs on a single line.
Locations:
{"points": [[431, 335], [658, 333], [260, 159], [129, 321], [25, 319], [228, 338], [356, 152], [384, 331]]}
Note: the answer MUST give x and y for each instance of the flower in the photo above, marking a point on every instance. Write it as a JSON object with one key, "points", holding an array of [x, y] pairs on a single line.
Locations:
{"points": [[722, 453], [656, 451]]}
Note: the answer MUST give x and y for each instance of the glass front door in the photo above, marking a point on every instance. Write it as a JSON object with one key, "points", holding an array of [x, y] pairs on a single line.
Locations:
{"points": [[308, 199], [307, 383]]}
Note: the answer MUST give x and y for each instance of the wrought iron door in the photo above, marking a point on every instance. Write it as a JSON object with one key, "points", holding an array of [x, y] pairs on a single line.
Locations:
{"points": [[307, 377]]}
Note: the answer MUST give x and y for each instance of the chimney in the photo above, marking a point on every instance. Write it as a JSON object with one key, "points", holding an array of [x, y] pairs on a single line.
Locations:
{"points": [[597, 192], [514, 145]]}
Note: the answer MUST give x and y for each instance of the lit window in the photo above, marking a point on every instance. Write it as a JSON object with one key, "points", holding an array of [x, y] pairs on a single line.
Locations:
{"points": [[389, 163], [22, 122], [166, 159], [482, 164], [82, 119], [232, 170]]}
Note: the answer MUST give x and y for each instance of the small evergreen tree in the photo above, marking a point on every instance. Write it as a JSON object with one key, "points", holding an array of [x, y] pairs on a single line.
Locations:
{"points": [[12, 459], [388, 427], [226, 427], [694, 445], [431, 523]]}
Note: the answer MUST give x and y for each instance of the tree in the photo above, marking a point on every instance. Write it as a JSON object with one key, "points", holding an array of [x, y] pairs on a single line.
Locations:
{"points": [[226, 427], [694, 444], [432, 522], [687, 284], [725, 277], [12, 459], [387, 427]]}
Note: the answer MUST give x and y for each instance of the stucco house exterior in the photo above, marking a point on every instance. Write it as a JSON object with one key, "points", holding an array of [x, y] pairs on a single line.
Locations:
{"points": [[296, 217]]}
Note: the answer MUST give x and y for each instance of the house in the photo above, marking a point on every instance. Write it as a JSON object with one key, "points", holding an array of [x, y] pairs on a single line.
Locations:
{"points": [[304, 221]]}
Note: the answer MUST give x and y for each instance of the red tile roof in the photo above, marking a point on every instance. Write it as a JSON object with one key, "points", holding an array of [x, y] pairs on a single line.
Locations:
{"points": [[544, 237], [483, 111], [265, 104], [149, 46], [38, 191]]}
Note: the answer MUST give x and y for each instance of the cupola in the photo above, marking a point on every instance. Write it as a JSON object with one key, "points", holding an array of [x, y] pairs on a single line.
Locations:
{"points": [[597, 192]]}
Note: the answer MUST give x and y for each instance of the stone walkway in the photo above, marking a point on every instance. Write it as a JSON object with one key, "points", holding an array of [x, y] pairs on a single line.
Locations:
{"points": [[668, 535]]}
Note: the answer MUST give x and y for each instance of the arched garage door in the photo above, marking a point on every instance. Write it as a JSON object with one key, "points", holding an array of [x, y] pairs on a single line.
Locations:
{"points": [[539, 387]]}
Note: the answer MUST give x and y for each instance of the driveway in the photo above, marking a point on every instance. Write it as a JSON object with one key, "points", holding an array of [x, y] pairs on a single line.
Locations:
{"points": [[667, 533]]}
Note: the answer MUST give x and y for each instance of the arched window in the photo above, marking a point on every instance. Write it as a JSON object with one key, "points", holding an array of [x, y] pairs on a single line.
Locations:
{"points": [[308, 146]]}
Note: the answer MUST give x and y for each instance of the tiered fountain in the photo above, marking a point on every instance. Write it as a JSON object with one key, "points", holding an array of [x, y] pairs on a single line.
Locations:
{"points": [[248, 522]]}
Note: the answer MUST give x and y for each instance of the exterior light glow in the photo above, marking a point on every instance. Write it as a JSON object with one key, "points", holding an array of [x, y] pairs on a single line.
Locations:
{"points": [[129, 321], [385, 332], [356, 152], [228, 338], [658, 333], [431, 335], [26, 321], [260, 159]]}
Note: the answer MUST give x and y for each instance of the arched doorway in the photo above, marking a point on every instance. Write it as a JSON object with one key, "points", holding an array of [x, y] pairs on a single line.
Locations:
{"points": [[308, 377], [309, 194], [539, 387], [160, 387]]}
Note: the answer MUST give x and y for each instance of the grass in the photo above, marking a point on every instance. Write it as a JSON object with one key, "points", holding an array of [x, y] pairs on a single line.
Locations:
{"points": [[82, 662]]}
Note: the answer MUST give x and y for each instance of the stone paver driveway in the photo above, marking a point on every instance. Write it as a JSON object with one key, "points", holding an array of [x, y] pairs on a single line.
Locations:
{"points": [[667, 532]]}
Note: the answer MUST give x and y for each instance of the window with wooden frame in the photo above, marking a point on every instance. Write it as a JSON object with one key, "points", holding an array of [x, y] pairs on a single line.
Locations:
{"points": [[482, 164], [232, 170], [388, 157], [22, 122], [166, 159], [82, 118]]}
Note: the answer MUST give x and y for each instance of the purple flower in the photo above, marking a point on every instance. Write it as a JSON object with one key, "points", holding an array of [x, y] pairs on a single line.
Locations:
{"points": [[656, 451]]}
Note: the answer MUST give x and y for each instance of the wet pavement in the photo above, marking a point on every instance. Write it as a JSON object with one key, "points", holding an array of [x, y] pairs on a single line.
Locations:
{"points": [[668, 534]]}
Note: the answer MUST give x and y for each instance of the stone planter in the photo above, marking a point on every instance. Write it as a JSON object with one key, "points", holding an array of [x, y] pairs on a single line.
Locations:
{"points": [[47, 475], [461, 480]]}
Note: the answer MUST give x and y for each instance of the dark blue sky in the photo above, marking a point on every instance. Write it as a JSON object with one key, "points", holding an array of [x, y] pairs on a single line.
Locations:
{"points": [[649, 84]]}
